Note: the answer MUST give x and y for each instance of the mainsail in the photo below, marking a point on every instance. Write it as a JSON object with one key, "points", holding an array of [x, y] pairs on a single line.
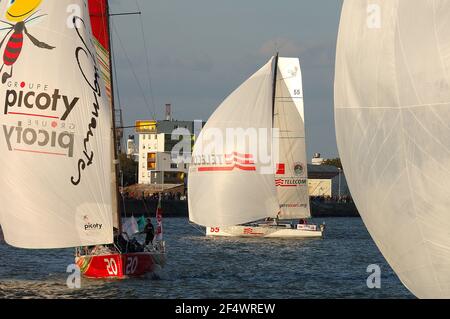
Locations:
{"points": [[289, 119], [231, 180], [392, 108], [56, 129]]}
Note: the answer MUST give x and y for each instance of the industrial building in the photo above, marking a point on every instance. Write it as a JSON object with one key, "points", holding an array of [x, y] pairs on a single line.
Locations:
{"points": [[326, 181]]}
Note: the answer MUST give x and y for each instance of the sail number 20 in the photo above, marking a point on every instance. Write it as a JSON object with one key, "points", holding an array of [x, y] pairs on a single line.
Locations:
{"points": [[132, 264], [111, 266]]}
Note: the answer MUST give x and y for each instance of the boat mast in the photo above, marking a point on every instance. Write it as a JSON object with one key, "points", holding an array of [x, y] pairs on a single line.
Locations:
{"points": [[113, 117], [274, 89]]}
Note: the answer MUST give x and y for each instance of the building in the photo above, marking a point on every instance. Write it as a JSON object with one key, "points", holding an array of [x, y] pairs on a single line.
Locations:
{"points": [[132, 149], [157, 164], [317, 159], [326, 181]]}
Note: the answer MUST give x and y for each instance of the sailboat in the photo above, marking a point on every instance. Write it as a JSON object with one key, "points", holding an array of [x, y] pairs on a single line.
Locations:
{"points": [[249, 171], [59, 163], [392, 112]]}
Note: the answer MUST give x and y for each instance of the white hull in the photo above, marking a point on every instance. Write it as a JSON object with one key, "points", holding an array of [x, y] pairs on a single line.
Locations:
{"points": [[262, 231]]}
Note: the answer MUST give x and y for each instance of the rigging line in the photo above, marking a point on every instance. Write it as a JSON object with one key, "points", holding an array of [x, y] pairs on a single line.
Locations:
{"points": [[124, 206], [124, 14], [196, 227], [131, 68], [147, 55]]}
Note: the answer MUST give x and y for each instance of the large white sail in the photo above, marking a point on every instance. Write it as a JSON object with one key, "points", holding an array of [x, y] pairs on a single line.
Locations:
{"points": [[55, 168], [289, 119], [392, 105], [231, 180]]}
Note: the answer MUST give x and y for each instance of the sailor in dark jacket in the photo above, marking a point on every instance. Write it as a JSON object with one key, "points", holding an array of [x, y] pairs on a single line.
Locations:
{"points": [[150, 231]]}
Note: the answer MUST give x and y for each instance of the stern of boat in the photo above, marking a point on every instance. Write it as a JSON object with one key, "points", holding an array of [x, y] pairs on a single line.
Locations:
{"points": [[120, 266]]}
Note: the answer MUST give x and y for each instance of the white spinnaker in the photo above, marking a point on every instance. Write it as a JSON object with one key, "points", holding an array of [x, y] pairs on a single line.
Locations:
{"points": [[392, 108], [289, 119], [39, 167], [227, 198]]}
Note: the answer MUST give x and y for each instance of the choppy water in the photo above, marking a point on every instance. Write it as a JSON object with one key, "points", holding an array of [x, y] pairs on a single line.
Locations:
{"points": [[200, 267]]}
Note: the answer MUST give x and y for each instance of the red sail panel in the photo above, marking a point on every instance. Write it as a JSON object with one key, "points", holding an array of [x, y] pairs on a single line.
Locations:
{"points": [[98, 10]]}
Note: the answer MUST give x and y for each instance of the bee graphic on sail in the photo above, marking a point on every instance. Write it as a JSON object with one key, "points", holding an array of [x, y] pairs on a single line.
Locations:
{"points": [[19, 14]]}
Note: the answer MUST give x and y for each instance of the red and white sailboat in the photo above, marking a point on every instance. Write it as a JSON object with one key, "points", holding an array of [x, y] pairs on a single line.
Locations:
{"points": [[250, 160], [59, 162], [114, 261]]}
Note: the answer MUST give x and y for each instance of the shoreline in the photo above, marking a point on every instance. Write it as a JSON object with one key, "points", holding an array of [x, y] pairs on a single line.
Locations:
{"points": [[179, 208]]}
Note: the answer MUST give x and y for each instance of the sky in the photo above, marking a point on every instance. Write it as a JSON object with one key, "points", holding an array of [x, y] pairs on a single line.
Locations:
{"points": [[198, 51]]}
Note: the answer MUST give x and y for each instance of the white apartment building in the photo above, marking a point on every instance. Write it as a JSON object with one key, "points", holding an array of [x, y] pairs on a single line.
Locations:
{"points": [[156, 165]]}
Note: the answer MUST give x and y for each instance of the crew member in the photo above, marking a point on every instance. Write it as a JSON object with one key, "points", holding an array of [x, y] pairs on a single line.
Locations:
{"points": [[150, 231]]}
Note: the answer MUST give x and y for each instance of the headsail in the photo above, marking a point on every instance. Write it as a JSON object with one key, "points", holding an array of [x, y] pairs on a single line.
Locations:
{"points": [[231, 180], [98, 11], [392, 106], [56, 129], [99, 14], [289, 119]]}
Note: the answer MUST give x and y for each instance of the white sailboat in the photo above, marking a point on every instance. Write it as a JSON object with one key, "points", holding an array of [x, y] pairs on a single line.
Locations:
{"points": [[249, 161], [392, 108], [58, 167]]}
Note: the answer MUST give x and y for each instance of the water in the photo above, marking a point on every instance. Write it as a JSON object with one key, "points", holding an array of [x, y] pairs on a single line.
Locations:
{"points": [[200, 267]]}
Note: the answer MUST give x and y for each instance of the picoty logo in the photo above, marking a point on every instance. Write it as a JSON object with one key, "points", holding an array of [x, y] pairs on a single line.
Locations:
{"points": [[32, 100], [49, 136], [22, 102], [90, 226]]}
